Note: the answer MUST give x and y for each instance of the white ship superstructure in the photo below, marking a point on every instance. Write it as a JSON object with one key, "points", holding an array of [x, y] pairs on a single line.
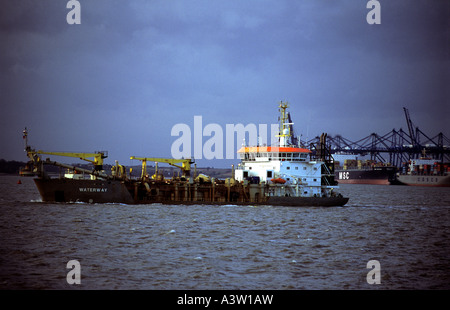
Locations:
{"points": [[288, 169]]}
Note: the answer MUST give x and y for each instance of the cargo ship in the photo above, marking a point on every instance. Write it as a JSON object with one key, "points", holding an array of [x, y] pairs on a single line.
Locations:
{"points": [[423, 172], [356, 171], [281, 175]]}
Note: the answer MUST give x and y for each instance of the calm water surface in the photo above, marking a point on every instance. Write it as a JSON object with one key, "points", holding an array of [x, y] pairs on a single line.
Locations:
{"points": [[227, 247]]}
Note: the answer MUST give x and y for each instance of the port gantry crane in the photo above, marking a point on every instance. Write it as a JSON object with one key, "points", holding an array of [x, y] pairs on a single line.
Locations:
{"points": [[399, 146], [185, 164]]}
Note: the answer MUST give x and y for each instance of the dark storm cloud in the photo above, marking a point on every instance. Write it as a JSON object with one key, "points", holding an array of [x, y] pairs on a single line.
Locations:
{"points": [[133, 69], [31, 16]]}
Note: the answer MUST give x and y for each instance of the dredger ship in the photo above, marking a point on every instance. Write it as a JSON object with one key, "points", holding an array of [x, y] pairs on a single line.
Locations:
{"points": [[282, 175]]}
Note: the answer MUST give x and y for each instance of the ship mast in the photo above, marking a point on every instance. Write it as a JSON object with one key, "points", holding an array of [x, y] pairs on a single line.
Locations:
{"points": [[25, 137], [285, 128]]}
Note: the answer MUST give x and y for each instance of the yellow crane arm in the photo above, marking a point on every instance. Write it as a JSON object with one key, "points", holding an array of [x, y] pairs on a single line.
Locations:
{"points": [[98, 157], [185, 163]]}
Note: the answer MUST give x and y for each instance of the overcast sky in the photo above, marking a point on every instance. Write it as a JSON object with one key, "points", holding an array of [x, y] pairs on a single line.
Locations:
{"points": [[132, 70]]}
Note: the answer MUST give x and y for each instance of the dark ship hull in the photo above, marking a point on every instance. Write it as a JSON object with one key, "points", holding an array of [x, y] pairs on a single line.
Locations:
{"points": [[422, 180], [168, 192], [424, 172], [376, 175], [91, 191]]}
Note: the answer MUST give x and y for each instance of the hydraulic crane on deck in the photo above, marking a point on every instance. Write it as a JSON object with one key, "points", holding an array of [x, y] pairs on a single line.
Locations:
{"points": [[98, 157], [185, 164], [95, 158]]}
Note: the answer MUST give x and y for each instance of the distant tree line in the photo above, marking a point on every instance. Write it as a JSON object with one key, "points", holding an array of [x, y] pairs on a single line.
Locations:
{"points": [[10, 167], [13, 167]]}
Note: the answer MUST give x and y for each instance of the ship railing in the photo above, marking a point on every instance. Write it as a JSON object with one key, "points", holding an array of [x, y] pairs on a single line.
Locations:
{"points": [[327, 169], [327, 182], [325, 176]]}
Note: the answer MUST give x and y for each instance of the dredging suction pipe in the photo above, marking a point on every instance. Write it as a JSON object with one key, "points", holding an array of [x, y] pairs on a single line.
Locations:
{"points": [[78, 169]]}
